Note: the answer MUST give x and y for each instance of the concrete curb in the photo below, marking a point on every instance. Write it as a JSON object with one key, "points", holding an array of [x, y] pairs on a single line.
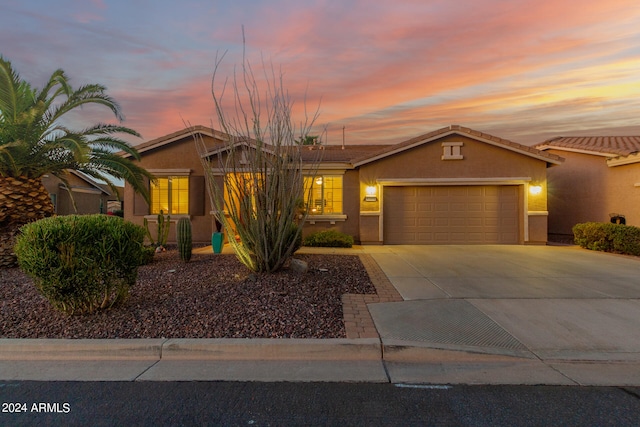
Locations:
{"points": [[272, 349], [81, 349], [191, 349]]}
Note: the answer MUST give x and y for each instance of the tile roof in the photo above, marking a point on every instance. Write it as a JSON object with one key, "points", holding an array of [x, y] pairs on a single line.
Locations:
{"points": [[339, 154], [182, 133], [362, 154], [494, 140], [614, 145], [89, 180]]}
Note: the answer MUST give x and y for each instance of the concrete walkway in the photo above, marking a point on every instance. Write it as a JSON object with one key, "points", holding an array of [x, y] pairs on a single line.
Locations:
{"points": [[471, 314]]}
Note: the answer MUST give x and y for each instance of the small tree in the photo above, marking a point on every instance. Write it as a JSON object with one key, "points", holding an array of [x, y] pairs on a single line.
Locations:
{"points": [[256, 181]]}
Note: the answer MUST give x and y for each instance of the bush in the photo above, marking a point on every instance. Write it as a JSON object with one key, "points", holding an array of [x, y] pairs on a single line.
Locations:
{"points": [[329, 239], [81, 263], [147, 255], [608, 237]]}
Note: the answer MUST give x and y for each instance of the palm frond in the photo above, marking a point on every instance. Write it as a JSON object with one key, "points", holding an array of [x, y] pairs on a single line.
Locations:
{"points": [[34, 141], [110, 163], [89, 94]]}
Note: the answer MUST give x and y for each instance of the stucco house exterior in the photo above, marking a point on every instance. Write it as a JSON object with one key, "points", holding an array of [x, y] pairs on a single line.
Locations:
{"points": [[90, 196], [599, 181], [454, 185]]}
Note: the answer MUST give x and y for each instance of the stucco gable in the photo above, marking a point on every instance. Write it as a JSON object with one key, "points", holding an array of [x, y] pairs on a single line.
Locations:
{"points": [[91, 182], [463, 131], [178, 136]]}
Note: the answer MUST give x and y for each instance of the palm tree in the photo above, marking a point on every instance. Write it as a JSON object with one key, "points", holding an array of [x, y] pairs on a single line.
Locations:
{"points": [[35, 142]]}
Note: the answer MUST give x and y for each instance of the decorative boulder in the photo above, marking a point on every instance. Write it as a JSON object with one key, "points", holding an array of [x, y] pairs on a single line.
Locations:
{"points": [[298, 266]]}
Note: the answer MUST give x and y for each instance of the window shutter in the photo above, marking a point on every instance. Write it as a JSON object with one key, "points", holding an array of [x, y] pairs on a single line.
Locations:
{"points": [[196, 195], [140, 206]]}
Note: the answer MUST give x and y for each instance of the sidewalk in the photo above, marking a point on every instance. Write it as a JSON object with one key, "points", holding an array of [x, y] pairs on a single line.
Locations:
{"points": [[443, 315]]}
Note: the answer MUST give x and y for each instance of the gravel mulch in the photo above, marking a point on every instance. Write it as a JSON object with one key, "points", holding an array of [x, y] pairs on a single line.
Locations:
{"points": [[213, 296]]}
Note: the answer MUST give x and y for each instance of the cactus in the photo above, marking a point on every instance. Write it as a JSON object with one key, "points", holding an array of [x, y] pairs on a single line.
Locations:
{"points": [[163, 228], [162, 232], [184, 239]]}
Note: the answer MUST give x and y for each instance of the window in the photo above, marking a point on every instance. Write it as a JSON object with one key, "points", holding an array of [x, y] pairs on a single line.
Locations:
{"points": [[241, 190], [170, 194], [326, 194]]}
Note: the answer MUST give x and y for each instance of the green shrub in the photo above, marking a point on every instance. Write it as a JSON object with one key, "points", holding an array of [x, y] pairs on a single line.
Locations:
{"points": [[147, 255], [608, 237], [329, 239], [81, 263]]}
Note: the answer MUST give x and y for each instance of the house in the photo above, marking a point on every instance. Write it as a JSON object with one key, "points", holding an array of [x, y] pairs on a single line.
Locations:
{"points": [[90, 196], [599, 181], [454, 185]]}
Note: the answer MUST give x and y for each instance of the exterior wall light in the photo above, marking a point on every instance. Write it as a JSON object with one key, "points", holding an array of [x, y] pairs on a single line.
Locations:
{"points": [[535, 189], [371, 193]]}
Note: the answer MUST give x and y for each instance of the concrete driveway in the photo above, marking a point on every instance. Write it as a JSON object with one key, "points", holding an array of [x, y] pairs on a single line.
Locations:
{"points": [[566, 307]]}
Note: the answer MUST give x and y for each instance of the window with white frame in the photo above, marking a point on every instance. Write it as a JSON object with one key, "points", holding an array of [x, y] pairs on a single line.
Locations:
{"points": [[170, 194], [326, 194]]}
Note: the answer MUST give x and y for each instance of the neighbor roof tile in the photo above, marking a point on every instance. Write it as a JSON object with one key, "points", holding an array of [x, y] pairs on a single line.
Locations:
{"points": [[615, 145]]}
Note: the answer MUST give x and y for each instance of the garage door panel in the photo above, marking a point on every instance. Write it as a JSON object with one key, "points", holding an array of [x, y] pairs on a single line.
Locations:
{"points": [[426, 222], [457, 222], [476, 191], [425, 207], [451, 214], [409, 222], [475, 222]]}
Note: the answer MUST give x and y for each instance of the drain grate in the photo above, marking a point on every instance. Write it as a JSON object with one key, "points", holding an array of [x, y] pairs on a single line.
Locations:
{"points": [[455, 322]]}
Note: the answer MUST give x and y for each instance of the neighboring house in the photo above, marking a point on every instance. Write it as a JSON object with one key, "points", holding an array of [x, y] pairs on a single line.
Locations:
{"points": [[451, 186], [90, 196], [599, 181]]}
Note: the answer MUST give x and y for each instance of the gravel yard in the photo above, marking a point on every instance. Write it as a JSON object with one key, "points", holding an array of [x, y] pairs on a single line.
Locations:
{"points": [[212, 296]]}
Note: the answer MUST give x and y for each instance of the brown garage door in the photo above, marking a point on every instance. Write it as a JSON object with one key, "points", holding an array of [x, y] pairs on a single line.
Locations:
{"points": [[451, 214]]}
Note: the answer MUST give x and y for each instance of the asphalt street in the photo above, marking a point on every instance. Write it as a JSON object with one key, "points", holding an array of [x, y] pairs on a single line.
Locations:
{"points": [[310, 404]]}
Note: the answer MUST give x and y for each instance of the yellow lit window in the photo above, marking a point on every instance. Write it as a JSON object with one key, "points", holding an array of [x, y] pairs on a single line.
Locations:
{"points": [[326, 194], [170, 195]]}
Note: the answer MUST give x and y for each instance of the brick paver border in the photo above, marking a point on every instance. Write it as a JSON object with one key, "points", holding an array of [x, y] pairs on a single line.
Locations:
{"points": [[358, 322]]}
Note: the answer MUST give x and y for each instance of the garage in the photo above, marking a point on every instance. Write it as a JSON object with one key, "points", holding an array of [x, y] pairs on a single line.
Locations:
{"points": [[456, 214]]}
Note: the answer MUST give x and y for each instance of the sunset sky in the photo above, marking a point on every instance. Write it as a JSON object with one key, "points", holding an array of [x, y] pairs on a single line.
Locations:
{"points": [[387, 71]]}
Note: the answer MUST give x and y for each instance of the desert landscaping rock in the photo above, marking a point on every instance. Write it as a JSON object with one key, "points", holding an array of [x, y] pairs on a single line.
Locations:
{"points": [[298, 266], [212, 296]]}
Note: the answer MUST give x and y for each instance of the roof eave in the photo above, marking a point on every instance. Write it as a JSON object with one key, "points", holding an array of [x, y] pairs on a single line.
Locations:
{"points": [[501, 143], [176, 136], [90, 181], [623, 160], [577, 150]]}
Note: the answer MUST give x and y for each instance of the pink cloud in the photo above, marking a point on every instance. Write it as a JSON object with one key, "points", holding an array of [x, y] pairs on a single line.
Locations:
{"points": [[385, 71], [88, 11]]}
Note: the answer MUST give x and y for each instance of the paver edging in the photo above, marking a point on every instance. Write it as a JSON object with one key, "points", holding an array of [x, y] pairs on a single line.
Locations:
{"points": [[357, 319]]}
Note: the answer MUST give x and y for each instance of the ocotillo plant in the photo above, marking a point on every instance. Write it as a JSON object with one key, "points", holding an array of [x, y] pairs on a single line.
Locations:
{"points": [[184, 239]]}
